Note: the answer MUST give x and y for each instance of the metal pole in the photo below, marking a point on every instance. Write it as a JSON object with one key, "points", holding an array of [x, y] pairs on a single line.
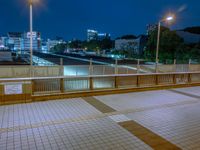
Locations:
{"points": [[174, 61], [174, 65], [90, 67], [61, 67], [31, 32], [190, 61], [157, 48], [116, 66], [138, 66]]}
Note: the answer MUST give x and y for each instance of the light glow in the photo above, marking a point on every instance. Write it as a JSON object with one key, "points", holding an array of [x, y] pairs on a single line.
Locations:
{"points": [[34, 1], [169, 18]]}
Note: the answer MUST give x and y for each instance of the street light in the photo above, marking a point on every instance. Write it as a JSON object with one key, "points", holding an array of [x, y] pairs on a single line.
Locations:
{"points": [[31, 31], [31, 2], [169, 18]]}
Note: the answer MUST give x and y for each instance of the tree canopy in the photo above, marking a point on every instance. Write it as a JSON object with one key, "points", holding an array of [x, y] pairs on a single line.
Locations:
{"points": [[169, 43], [97, 45], [59, 48], [127, 37], [171, 47]]}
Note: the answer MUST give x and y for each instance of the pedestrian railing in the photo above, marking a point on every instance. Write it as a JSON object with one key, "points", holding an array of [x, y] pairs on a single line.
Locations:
{"points": [[24, 89], [85, 70]]}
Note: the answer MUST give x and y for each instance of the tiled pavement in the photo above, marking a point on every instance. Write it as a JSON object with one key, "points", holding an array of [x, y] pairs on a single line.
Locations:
{"points": [[143, 100], [80, 124]]}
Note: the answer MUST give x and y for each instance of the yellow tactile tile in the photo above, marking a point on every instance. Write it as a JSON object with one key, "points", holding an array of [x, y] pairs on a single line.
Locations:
{"points": [[147, 136], [98, 105]]}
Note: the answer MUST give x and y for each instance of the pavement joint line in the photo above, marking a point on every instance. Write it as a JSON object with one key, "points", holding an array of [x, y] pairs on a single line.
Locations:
{"points": [[185, 93], [92, 117]]}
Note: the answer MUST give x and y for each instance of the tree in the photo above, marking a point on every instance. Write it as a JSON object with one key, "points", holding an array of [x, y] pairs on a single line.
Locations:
{"points": [[125, 53], [106, 44], [170, 42], [98, 44], [59, 48], [127, 37], [91, 45], [76, 44], [188, 51]]}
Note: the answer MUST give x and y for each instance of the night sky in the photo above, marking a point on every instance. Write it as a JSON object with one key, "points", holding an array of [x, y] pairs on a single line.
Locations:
{"points": [[71, 18]]}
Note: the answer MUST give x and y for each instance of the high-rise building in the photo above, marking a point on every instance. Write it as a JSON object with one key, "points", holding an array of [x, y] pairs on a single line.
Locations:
{"points": [[20, 42], [4, 41], [92, 35], [37, 44], [15, 41], [135, 46], [1, 44], [102, 36], [51, 43]]}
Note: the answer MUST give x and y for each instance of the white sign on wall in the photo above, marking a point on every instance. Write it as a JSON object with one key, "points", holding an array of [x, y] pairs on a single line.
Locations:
{"points": [[13, 88]]}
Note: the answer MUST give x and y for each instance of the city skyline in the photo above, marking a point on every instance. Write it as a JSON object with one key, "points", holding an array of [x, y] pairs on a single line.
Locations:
{"points": [[114, 17]]}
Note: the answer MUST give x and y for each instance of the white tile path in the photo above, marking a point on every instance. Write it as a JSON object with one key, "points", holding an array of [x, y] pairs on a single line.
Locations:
{"points": [[26, 114], [98, 134], [179, 124], [192, 90], [147, 99]]}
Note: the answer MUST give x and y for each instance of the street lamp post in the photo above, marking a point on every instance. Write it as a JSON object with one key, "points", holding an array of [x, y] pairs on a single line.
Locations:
{"points": [[158, 39], [31, 31]]}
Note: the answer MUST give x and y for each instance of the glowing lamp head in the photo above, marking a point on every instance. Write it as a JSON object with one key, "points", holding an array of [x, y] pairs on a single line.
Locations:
{"points": [[169, 18], [33, 1]]}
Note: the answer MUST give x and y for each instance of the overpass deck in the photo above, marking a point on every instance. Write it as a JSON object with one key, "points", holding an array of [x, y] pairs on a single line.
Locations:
{"points": [[164, 119]]}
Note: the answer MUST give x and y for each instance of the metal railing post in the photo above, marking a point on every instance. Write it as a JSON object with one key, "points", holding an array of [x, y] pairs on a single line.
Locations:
{"points": [[138, 66], [189, 65], [13, 72], [90, 67], [174, 61], [61, 67], [116, 66], [62, 85], [138, 81], [127, 72], [32, 87], [174, 78], [174, 65], [32, 71], [91, 83], [189, 78], [157, 79], [116, 82], [156, 68], [104, 69]]}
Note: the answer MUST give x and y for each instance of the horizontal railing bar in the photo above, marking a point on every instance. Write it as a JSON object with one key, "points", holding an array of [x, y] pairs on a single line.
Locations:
{"points": [[101, 65], [95, 76]]}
